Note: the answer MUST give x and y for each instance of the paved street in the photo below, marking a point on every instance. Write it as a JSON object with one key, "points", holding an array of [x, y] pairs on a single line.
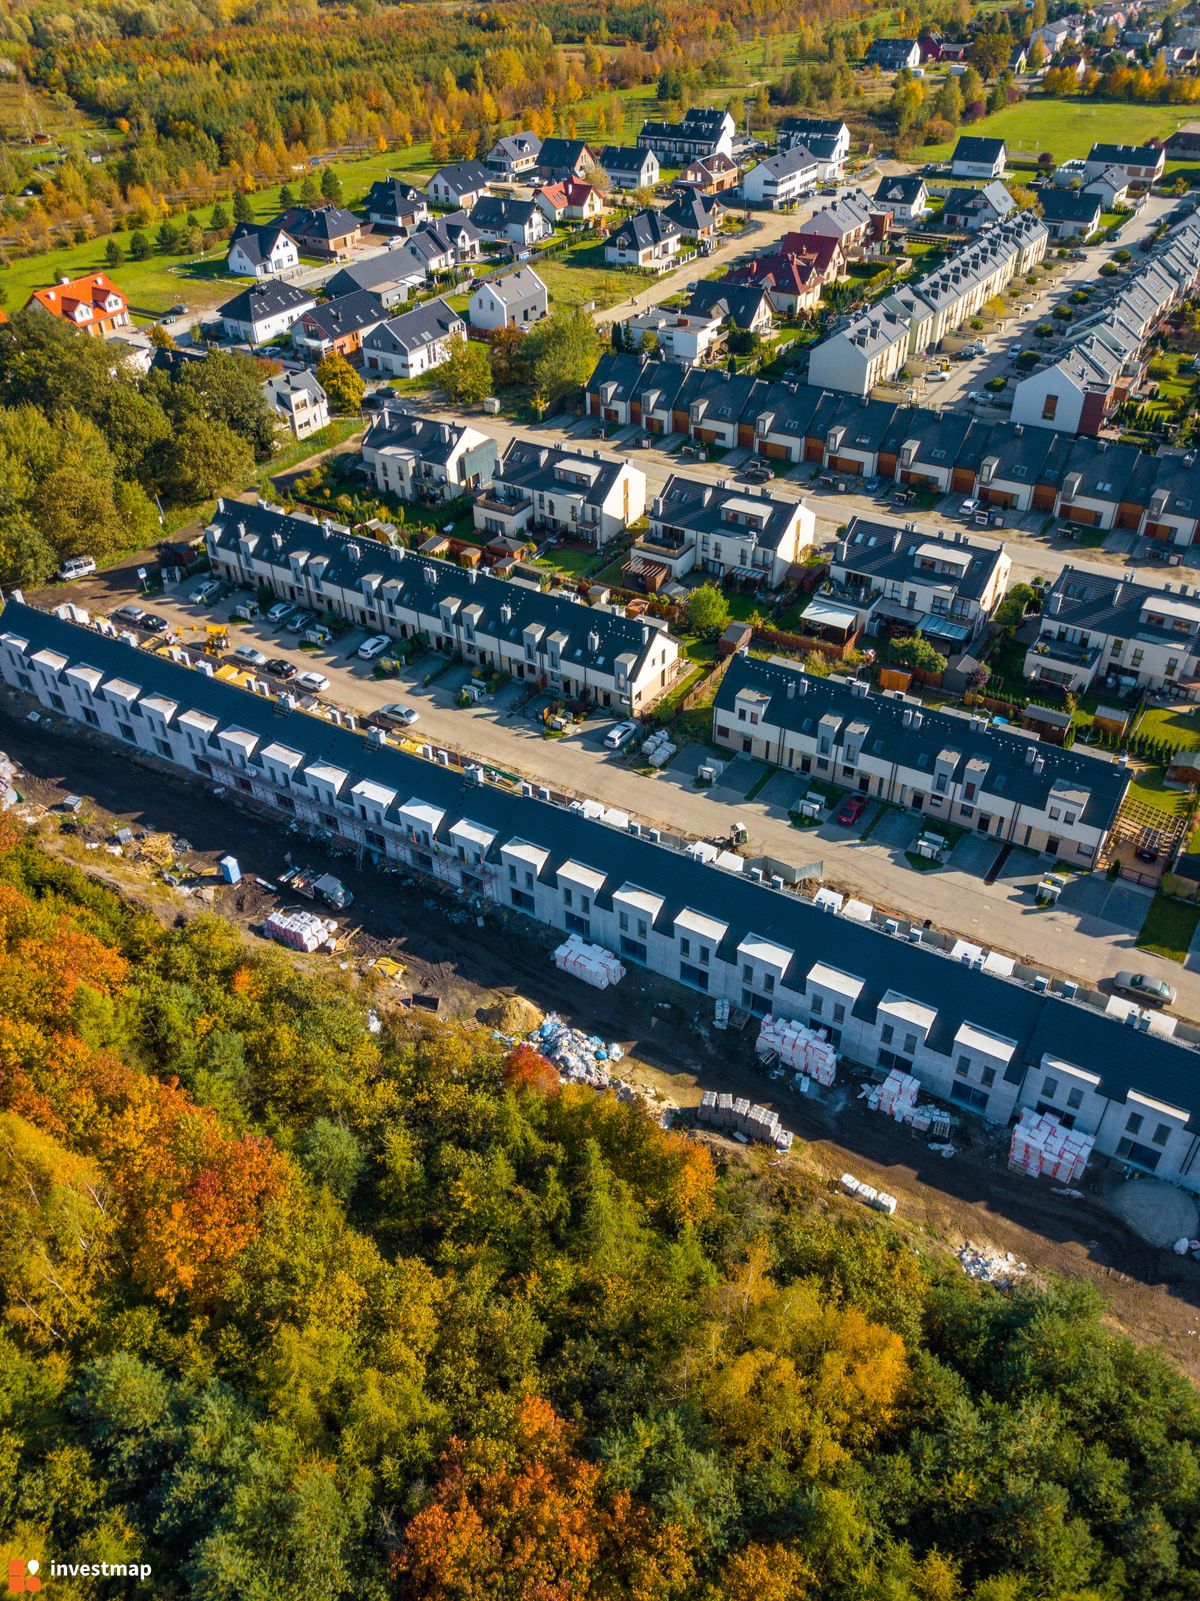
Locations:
{"points": [[1088, 936]]}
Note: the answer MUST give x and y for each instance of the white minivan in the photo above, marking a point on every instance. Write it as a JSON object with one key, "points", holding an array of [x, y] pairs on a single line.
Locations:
{"points": [[77, 567]]}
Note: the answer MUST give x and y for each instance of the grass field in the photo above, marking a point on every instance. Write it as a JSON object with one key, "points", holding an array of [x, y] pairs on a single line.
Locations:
{"points": [[1068, 128], [1169, 928], [1177, 727]]}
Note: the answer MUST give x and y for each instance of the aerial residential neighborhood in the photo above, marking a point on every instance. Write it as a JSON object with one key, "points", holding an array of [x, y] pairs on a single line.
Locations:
{"points": [[600, 771]]}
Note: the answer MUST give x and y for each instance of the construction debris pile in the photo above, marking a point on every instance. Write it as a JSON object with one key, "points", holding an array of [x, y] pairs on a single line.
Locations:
{"points": [[879, 1199], [579, 1057], [8, 783], [743, 1121], [1000, 1268], [301, 931], [896, 1098], [1040, 1144], [795, 1046], [592, 963]]}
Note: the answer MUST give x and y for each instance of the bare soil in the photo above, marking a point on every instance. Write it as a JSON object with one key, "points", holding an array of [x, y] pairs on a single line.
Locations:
{"points": [[672, 1049]]}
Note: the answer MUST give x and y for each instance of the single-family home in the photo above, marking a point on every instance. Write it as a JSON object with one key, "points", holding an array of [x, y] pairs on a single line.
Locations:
{"points": [[460, 184], [852, 219], [1111, 187], [394, 204], [1075, 393], [686, 337], [260, 251], [1107, 627], [973, 209], [560, 159], [408, 345], [649, 240], [514, 155], [328, 231], [394, 275], [1070, 213], [905, 196], [519, 223], [975, 157], [1140, 164], [264, 310], [803, 130], [585, 494], [298, 399], [894, 55], [516, 301], [703, 131], [338, 325], [445, 243], [710, 175], [629, 166], [418, 458], [793, 281], [92, 304], [782, 179], [698, 217], [744, 306], [749, 536]]}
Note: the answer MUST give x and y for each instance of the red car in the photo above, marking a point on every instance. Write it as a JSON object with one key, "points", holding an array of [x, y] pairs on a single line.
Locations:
{"points": [[852, 810]]}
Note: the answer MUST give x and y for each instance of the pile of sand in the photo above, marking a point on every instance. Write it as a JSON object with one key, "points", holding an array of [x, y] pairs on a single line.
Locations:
{"points": [[512, 1015]]}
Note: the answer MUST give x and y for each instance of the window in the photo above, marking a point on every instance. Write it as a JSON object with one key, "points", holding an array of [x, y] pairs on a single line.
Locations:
{"points": [[839, 1012], [962, 1068], [1161, 1134], [567, 901], [817, 1004], [685, 947], [1049, 407], [910, 1044], [1134, 1125], [988, 1077], [623, 922], [885, 1033], [705, 953], [1075, 1099], [768, 984], [1050, 1088]]}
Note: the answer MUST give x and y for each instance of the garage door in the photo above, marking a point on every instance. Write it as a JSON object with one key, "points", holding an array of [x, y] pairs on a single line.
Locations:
{"points": [[1080, 514]]}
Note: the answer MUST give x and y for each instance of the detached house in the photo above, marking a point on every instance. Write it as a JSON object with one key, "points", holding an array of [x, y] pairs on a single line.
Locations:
{"points": [[560, 159], [1070, 213], [459, 185], [630, 166], [894, 55], [416, 458], [394, 275], [406, 346], [260, 252], [697, 217], [339, 325], [392, 203], [445, 243], [514, 155], [519, 223], [783, 179], [1138, 164], [1108, 628], [328, 231], [804, 130], [748, 536], [710, 175], [972, 209], [264, 311], [516, 301], [299, 400], [978, 158], [906, 197], [91, 305], [649, 240], [585, 494], [951, 768]]}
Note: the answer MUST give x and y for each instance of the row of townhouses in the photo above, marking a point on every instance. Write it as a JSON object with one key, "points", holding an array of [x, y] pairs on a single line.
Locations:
{"points": [[874, 346], [579, 651], [952, 768], [974, 1037], [1100, 627], [1094, 482]]}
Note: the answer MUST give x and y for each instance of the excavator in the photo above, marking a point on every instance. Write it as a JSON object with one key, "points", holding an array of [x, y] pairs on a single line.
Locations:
{"points": [[216, 639]]}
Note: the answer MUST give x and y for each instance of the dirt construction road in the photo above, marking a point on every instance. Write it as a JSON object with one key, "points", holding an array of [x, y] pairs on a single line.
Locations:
{"points": [[671, 1047]]}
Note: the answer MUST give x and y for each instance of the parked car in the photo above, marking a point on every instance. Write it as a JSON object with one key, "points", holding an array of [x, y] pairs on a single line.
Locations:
{"points": [[937, 376], [313, 682], [393, 715], [128, 616], [280, 611], [153, 623], [76, 567], [250, 656], [620, 736], [969, 507], [1149, 845], [1145, 989], [852, 810], [205, 592], [278, 668], [300, 620], [375, 646]]}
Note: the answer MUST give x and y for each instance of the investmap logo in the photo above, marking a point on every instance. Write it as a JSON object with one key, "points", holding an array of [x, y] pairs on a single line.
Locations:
{"points": [[23, 1577]]}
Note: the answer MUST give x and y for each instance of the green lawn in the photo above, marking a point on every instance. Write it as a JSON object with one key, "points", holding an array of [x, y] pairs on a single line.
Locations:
{"points": [[1164, 722], [1068, 128], [1148, 785], [1169, 928], [570, 285]]}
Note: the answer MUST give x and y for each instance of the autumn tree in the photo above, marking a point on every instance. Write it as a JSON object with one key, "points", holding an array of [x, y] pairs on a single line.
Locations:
{"points": [[344, 387]]}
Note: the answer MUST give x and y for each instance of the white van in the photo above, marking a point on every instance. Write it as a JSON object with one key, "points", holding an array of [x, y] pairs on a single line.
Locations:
{"points": [[77, 567]]}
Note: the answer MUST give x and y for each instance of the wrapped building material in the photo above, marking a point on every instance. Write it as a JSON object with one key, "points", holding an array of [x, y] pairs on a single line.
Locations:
{"points": [[300, 931], [798, 1047], [1040, 1144], [592, 963], [896, 1097]]}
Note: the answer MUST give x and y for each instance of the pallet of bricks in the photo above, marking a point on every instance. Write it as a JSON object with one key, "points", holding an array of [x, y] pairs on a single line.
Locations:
{"points": [[1040, 1144], [737, 1117], [798, 1047], [592, 963], [896, 1097], [880, 1200]]}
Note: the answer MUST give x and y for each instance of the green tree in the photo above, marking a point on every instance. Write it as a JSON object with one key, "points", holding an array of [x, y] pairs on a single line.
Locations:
{"points": [[287, 196], [331, 186], [219, 217], [916, 651], [139, 246], [990, 52], [243, 211], [227, 387], [343, 386], [561, 354], [113, 254], [707, 610], [201, 458], [333, 1156], [467, 372], [948, 102], [169, 238], [310, 190]]}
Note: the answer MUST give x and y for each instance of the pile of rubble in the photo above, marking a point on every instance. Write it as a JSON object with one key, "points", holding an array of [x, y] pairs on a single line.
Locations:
{"points": [[999, 1268], [579, 1057]]}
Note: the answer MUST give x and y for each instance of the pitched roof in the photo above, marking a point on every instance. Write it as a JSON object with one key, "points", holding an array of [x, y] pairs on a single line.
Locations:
{"points": [[392, 197], [971, 147], [704, 508], [258, 240], [624, 159], [516, 147], [345, 315], [570, 153], [89, 293], [318, 222], [695, 213], [885, 551], [903, 190], [464, 177], [639, 233], [516, 288], [385, 270], [415, 329], [262, 300], [1068, 205], [739, 303]]}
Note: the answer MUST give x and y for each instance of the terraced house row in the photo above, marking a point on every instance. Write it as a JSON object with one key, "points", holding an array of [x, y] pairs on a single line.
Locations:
{"points": [[961, 1022], [589, 652], [1091, 481]]}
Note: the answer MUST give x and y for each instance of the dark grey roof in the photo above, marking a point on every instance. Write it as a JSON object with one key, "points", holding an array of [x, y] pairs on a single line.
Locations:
{"points": [[318, 222], [902, 190], [497, 213], [623, 159], [433, 441], [336, 318], [393, 198], [883, 551], [257, 239], [263, 300], [569, 155], [1113, 604], [1038, 1022], [702, 508], [1126, 155], [641, 232], [533, 467], [464, 176], [1069, 205], [1011, 773], [694, 213], [383, 271], [971, 147], [424, 582], [741, 302], [822, 127], [421, 326]]}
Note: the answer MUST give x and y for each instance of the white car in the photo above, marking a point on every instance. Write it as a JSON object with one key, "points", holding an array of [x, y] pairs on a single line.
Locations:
{"points": [[76, 567], [620, 735], [936, 377], [251, 657], [375, 646], [969, 508], [314, 683]]}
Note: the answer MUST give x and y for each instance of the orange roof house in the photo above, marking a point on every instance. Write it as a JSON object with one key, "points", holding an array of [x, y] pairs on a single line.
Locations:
{"points": [[93, 304]]}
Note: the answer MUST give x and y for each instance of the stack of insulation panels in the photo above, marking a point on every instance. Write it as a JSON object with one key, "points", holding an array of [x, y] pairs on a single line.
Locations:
{"points": [[799, 1047], [896, 1097], [592, 963], [300, 931], [1040, 1144]]}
